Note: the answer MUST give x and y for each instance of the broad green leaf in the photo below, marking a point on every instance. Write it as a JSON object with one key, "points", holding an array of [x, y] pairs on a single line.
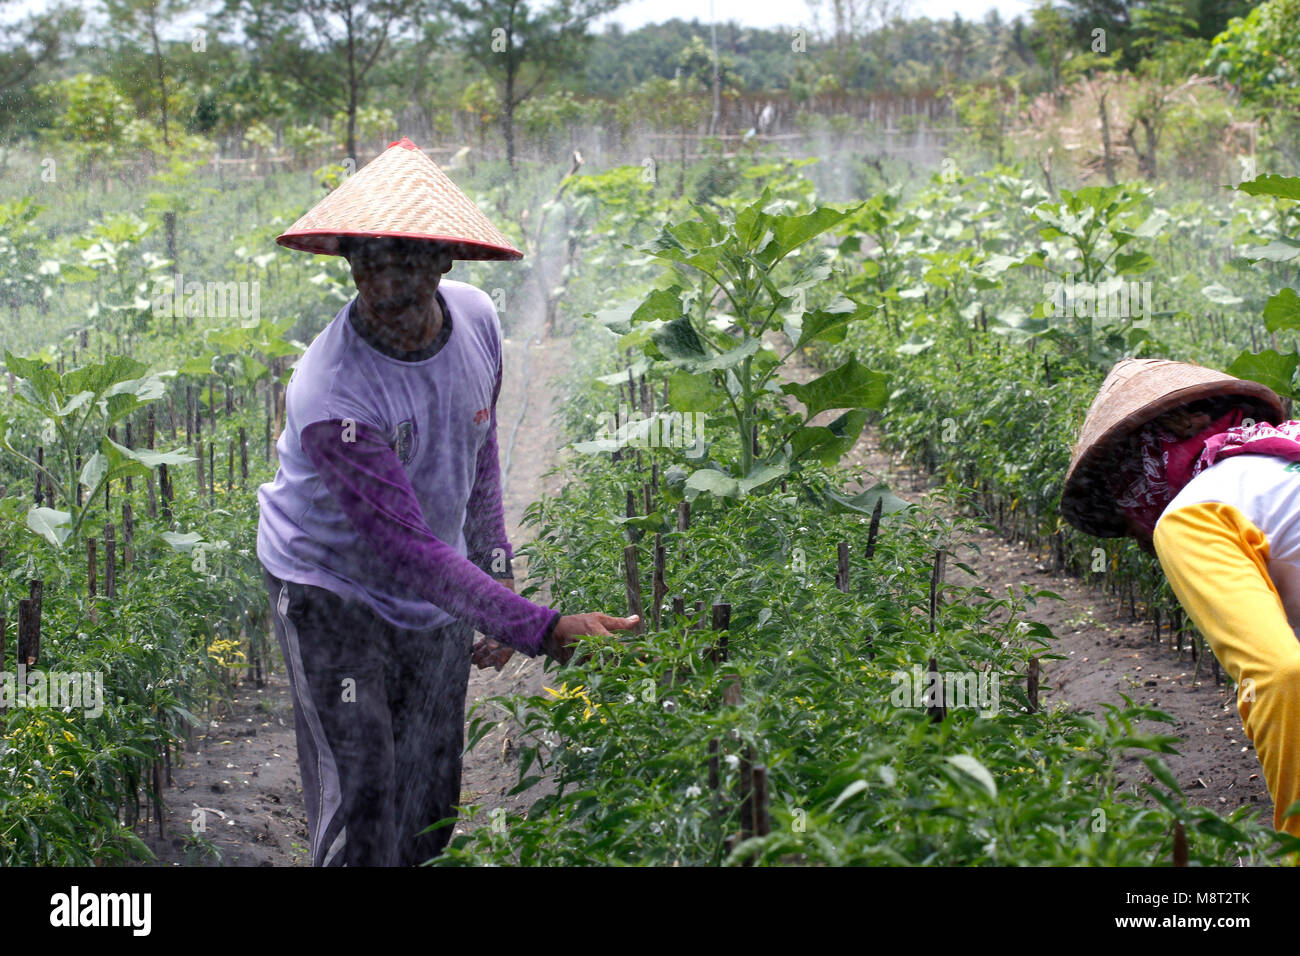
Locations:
{"points": [[184, 543], [1269, 367], [829, 442], [663, 305], [1286, 187], [865, 502], [1221, 295], [678, 341], [1279, 250], [51, 524], [693, 393], [1282, 311], [1133, 263], [835, 316], [711, 481], [852, 385], [728, 359], [762, 474]]}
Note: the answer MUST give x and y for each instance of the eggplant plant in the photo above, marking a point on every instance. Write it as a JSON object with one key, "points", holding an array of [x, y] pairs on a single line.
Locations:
{"points": [[78, 408], [1282, 310], [737, 277]]}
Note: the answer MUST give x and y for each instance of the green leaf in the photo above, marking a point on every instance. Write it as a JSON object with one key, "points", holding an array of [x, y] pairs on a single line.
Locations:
{"points": [[713, 482], [829, 442], [1279, 250], [661, 305], [183, 543], [856, 787], [728, 359], [865, 502], [976, 771], [1282, 311], [1134, 263], [693, 393], [1286, 187], [824, 323], [51, 524], [678, 341], [790, 232], [852, 385], [1269, 367], [1221, 295], [762, 474]]}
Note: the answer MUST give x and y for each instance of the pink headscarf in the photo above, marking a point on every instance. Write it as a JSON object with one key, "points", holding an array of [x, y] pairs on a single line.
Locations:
{"points": [[1169, 462]]}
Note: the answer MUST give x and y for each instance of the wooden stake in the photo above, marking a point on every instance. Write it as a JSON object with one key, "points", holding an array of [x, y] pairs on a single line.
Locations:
{"points": [[632, 579], [128, 536], [683, 515], [1033, 685], [243, 457], [1180, 844], [199, 466], [842, 570], [660, 588], [936, 579], [90, 580], [874, 527], [110, 561], [936, 709], [762, 815]]}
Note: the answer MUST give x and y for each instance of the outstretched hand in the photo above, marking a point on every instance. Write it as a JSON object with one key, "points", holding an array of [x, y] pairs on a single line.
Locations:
{"points": [[573, 626]]}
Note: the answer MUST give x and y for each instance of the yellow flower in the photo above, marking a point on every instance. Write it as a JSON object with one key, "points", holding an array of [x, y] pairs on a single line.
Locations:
{"points": [[69, 738]]}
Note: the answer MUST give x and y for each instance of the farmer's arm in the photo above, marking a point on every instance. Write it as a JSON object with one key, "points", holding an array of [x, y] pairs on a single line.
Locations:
{"points": [[1216, 561], [368, 481]]}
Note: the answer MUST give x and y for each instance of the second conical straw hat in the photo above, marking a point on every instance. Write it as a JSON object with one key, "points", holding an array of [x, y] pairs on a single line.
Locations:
{"points": [[401, 193], [1136, 392]]}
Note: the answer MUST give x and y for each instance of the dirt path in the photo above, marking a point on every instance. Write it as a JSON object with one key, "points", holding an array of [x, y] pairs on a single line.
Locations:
{"points": [[1108, 653]]}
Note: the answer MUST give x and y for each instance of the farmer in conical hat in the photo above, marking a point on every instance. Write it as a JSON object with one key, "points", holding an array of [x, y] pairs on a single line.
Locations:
{"points": [[1204, 471], [382, 536]]}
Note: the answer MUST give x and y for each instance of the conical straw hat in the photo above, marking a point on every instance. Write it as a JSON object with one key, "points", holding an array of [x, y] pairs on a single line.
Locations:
{"points": [[1134, 393], [401, 192]]}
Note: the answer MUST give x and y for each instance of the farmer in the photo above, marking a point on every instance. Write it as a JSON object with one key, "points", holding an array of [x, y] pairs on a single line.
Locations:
{"points": [[1203, 470], [382, 537]]}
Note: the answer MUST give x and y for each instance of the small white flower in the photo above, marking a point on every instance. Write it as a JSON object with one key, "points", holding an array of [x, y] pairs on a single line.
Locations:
{"points": [[733, 761], [584, 750], [669, 706], [693, 791], [629, 699]]}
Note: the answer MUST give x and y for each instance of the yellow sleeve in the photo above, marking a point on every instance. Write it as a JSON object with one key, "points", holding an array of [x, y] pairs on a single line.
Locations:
{"points": [[1216, 561]]}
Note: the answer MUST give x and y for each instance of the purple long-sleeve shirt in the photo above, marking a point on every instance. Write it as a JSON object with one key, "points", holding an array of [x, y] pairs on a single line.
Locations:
{"points": [[389, 486]]}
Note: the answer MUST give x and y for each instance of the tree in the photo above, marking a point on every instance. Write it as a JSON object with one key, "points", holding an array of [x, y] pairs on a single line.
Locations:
{"points": [[30, 45], [520, 48], [325, 48]]}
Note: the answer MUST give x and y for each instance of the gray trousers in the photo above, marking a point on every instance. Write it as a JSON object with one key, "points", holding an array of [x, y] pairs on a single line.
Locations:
{"points": [[379, 714]]}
